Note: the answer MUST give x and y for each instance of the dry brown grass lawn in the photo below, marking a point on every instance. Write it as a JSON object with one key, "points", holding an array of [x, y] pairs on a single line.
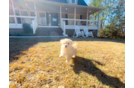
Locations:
{"points": [[34, 63]]}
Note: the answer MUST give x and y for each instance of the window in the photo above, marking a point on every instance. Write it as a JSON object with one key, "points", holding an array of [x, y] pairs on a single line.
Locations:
{"points": [[10, 11], [42, 17], [32, 13], [73, 1], [70, 22], [42, 14], [71, 16], [18, 20], [77, 16], [24, 13], [17, 12], [11, 20]]}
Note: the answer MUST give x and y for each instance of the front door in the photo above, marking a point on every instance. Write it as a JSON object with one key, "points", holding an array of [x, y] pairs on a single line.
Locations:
{"points": [[54, 19]]}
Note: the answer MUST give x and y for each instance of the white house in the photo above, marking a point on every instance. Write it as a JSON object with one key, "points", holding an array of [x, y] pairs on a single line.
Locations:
{"points": [[52, 16]]}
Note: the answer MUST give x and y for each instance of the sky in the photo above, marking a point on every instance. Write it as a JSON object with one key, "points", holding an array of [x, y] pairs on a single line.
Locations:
{"points": [[130, 12], [87, 1]]}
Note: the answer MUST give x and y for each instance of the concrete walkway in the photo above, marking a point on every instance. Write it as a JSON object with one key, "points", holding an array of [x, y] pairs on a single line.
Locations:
{"points": [[33, 36]]}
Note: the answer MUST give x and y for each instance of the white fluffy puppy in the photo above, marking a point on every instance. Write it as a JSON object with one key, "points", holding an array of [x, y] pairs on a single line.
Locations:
{"points": [[67, 49]]}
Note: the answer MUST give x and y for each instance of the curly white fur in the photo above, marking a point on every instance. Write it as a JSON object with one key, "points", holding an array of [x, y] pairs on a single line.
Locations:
{"points": [[67, 49]]}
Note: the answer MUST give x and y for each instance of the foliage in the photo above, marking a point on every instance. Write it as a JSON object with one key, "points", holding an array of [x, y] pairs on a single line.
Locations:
{"points": [[111, 31], [112, 15]]}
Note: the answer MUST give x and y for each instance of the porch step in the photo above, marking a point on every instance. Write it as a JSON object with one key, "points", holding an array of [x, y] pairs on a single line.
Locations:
{"points": [[48, 32]]}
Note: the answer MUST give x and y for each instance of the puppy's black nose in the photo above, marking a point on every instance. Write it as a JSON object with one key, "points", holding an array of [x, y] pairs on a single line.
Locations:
{"points": [[65, 46]]}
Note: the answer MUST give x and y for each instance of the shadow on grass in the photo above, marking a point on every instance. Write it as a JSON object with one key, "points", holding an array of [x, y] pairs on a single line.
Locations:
{"points": [[100, 39], [16, 45], [86, 65]]}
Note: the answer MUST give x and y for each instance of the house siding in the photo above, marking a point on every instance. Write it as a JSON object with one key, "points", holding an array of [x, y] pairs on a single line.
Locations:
{"points": [[39, 32], [16, 32], [49, 32]]}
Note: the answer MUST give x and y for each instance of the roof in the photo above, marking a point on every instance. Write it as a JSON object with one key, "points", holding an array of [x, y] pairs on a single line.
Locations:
{"points": [[61, 1], [41, 5], [80, 2]]}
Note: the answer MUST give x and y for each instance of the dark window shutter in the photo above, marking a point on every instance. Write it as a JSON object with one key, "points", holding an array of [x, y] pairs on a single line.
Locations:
{"points": [[66, 15], [80, 16]]}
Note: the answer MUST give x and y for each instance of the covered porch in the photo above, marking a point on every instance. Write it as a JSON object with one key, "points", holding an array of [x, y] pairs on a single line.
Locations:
{"points": [[50, 14]]}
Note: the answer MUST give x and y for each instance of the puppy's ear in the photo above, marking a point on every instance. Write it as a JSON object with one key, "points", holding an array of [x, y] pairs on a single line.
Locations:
{"points": [[61, 41], [70, 41]]}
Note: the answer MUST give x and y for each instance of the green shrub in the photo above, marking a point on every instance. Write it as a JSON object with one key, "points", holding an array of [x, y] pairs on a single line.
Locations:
{"points": [[17, 34], [27, 29], [100, 34], [111, 31]]}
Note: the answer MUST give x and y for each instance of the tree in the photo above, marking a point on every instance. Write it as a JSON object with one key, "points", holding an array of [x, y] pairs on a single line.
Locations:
{"points": [[114, 12], [95, 3], [112, 18]]}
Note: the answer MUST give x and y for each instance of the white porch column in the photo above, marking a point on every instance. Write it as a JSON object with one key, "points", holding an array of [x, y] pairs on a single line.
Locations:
{"points": [[60, 15], [87, 18], [35, 25], [98, 25], [35, 9], [75, 16], [14, 12]]}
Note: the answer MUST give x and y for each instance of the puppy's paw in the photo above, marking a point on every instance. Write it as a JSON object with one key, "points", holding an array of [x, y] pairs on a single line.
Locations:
{"points": [[67, 60], [60, 55]]}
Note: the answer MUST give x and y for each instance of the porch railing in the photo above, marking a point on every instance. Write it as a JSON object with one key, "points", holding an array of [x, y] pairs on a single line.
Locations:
{"points": [[42, 22], [63, 26], [24, 19], [21, 19], [80, 22], [35, 25]]}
